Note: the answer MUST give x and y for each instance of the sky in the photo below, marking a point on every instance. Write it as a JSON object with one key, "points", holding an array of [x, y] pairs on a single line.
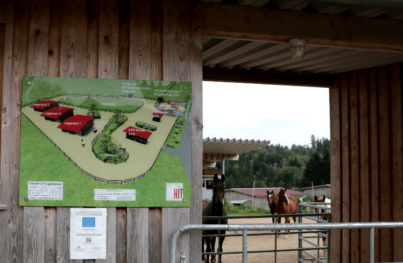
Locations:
{"points": [[284, 115]]}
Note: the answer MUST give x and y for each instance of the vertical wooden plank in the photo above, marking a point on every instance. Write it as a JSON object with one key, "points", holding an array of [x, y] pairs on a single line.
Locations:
{"points": [[385, 164], [156, 40], [39, 38], [155, 234], [140, 40], [374, 152], [124, 39], [197, 134], [108, 39], [6, 158], [3, 215], [63, 236], [110, 237], [2, 44], [33, 234], [50, 234], [80, 38], [345, 131], [11, 129], [92, 38], [354, 167], [397, 157], [121, 235], [364, 163], [137, 235], [172, 219], [335, 167], [54, 39]]}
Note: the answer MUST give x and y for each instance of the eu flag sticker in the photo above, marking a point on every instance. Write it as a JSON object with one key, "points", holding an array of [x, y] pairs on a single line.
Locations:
{"points": [[88, 221]]}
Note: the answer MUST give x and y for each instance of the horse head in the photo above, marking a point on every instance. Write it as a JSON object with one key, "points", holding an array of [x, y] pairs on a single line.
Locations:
{"points": [[283, 196], [218, 192], [271, 198], [320, 199]]}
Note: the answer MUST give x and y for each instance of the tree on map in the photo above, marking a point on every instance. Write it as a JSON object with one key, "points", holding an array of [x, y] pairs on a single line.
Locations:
{"points": [[93, 109], [117, 114]]}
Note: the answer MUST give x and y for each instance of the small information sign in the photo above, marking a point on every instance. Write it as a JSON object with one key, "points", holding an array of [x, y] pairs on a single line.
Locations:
{"points": [[44, 190], [115, 194]]}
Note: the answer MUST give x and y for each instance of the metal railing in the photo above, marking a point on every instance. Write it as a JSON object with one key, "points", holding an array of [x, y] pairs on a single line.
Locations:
{"points": [[278, 227], [275, 233]]}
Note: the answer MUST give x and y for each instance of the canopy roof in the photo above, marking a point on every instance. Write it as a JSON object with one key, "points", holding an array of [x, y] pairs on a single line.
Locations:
{"points": [[138, 132], [43, 104], [231, 146], [56, 112], [263, 191]]}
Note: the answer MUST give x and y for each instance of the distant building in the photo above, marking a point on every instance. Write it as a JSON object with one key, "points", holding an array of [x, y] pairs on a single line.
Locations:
{"points": [[319, 190], [259, 195], [58, 114], [160, 99], [175, 104], [137, 134], [157, 116], [44, 105], [78, 124]]}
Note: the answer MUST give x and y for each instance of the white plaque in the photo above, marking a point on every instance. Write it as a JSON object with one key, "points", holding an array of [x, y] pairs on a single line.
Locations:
{"points": [[44, 190], [88, 233], [174, 192], [115, 194]]}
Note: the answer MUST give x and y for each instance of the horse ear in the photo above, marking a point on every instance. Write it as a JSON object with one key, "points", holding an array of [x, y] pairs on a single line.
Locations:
{"points": [[222, 178], [267, 191], [215, 178], [324, 198], [315, 198]]}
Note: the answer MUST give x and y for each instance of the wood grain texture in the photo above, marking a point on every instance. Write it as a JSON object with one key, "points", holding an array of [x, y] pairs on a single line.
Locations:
{"points": [[156, 40], [397, 157], [33, 234], [92, 38], [121, 235], [172, 219], [3, 191], [140, 40], [354, 166], [154, 234], [2, 44], [50, 234], [39, 38], [364, 204], [223, 21], [335, 167], [345, 135], [54, 39], [11, 128], [195, 216], [63, 236], [108, 39], [110, 237], [385, 190], [124, 39], [137, 235], [374, 152]]}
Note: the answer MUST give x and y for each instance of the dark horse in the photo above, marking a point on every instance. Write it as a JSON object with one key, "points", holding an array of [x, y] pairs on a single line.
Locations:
{"points": [[286, 205], [272, 199], [215, 208]]}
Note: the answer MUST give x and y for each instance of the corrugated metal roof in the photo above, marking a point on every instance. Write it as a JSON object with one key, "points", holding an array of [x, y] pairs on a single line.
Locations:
{"points": [[234, 146], [260, 55]]}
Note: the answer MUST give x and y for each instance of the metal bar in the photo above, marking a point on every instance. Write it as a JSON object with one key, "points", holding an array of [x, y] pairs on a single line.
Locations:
{"points": [[275, 246], [265, 216], [371, 244], [328, 242], [302, 226], [317, 258], [268, 234], [299, 234], [313, 244], [218, 244], [316, 219], [245, 246], [3, 207], [261, 251], [318, 207]]}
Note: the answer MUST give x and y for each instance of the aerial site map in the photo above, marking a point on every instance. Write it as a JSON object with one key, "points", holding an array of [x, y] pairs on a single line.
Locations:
{"points": [[104, 142]]}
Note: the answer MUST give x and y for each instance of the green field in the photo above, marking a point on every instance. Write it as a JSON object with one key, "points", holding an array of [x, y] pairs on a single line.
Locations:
{"points": [[124, 106], [174, 137], [38, 154]]}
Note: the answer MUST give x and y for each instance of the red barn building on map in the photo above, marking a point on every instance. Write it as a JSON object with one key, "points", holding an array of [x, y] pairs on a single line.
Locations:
{"points": [[175, 104], [137, 134], [44, 105], [58, 114], [78, 124], [157, 116]]}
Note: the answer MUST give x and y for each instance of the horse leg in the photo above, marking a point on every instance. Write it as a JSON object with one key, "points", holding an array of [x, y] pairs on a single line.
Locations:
{"points": [[279, 221], [220, 242], [324, 244], [203, 256], [208, 249], [287, 221], [273, 223], [213, 240]]}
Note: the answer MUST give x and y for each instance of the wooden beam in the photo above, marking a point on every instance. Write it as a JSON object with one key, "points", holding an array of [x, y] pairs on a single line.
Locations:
{"points": [[266, 77], [2, 27], [218, 157], [265, 24]]}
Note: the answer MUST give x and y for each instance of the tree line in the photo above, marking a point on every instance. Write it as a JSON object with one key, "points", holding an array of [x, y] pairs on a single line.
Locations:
{"points": [[281, 166]]}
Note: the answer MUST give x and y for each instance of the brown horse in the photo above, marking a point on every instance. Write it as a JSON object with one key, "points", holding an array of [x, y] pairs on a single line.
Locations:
{"points": [[323, 217], [286, 205], [272, 199], [215, 208]]}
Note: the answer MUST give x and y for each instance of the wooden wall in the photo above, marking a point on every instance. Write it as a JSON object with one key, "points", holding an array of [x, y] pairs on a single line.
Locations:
{"points": [[367, 161], [148, 39]]}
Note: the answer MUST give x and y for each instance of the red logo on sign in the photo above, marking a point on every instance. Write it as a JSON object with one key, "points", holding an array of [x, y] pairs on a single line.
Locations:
{"points": [[178, 193]]}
